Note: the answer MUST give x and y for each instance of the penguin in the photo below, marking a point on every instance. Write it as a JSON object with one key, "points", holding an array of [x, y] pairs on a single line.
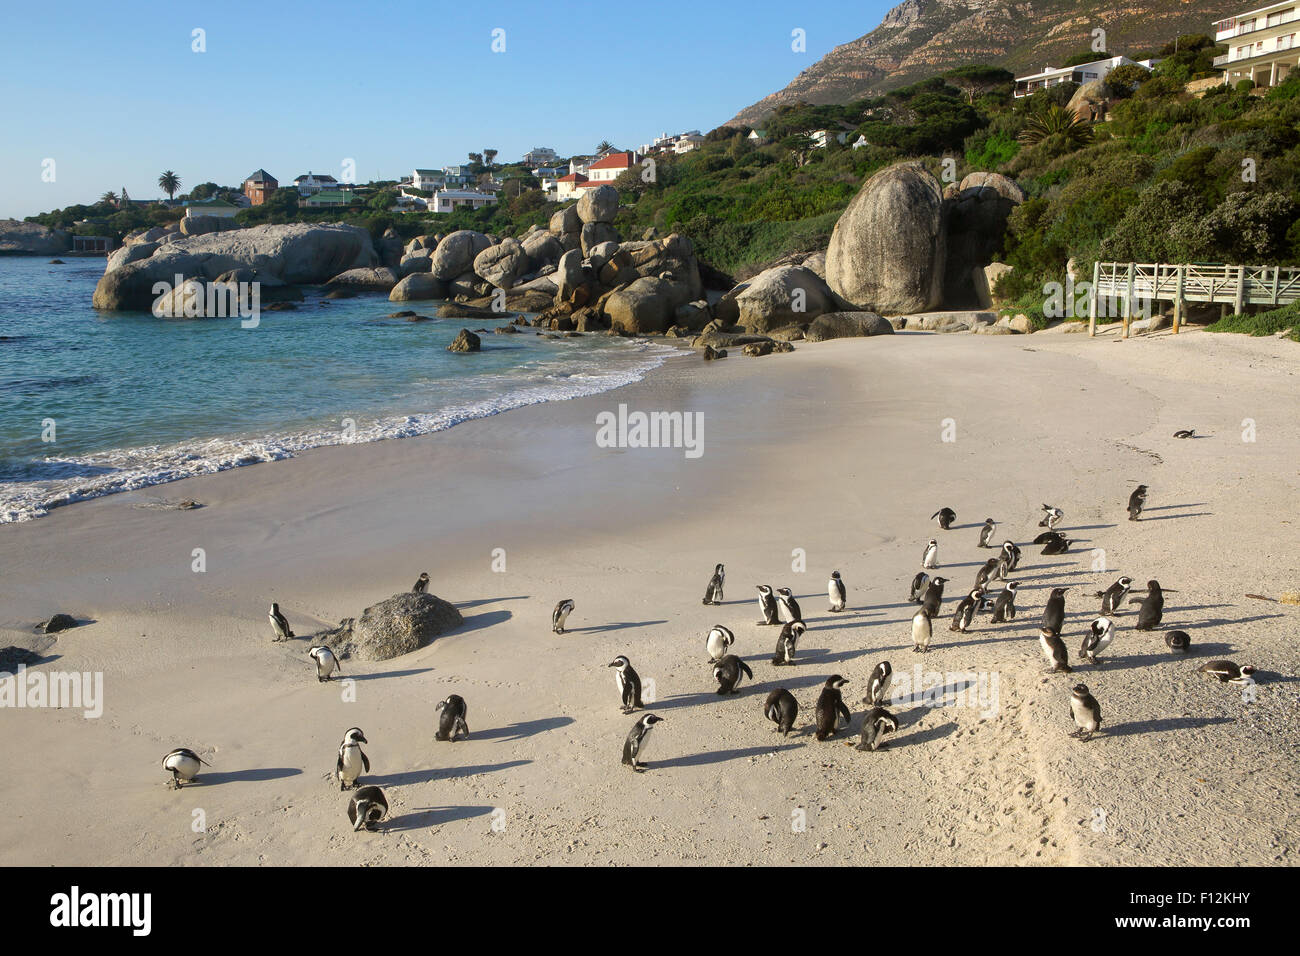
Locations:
{"points": [[945, 517], [1012, 551], [1086, 712], [787, 642], [628, 682], [1004, 608], [1100, 633], [983, 575], [352, 759], [930, 559], [713, 593], [781, 708], [921, 631], [451, 718], [987, 532], [878, 684], [789, 607], [965, 613], [1152, 609], [875, 724], [326, 663], [718, 641], [1003, 567], [830, 707], [1113, 597], [636, 741], [1054, 613], [727, 672], [279, 624], [1185, 433], [1229, 673], [1051, 517], [767, 605], [919, 584], [183, 764], [367, 807], [933, 596], [561, 615], [1058, 545], [1136, 501], [1178, 641], [1045, 536], [421, 583], [1054, 650], [835, 591]]}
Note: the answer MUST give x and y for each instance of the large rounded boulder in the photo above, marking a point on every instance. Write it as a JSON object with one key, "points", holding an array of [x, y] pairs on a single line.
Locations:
{"points": [[645, 307], [785, 295], [843, 325], [502, 264], [456, 253], [400, 625], [598, 205], [418, 286]]}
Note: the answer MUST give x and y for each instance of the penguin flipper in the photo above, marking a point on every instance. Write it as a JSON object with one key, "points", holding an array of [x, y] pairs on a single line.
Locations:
{"points": [[365, 761], [745, 667]]}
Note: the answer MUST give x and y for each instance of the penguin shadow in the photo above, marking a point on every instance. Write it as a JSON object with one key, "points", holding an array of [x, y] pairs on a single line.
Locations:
{"points": [[819, 656], [1163, 725], [1187, 514], [1130, 661], [928, 735], [1214, 621], [704, 758], [476, 622], [1189, 504], [790, 682], [422, 818], [682, 700], [466, 605], [1085, 527], [937, 701], [252, 775], [938, 644], [523, 729], [381, 675], [614, 626], [431, 774]]}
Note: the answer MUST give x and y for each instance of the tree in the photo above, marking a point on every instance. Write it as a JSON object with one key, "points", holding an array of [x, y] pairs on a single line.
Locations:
{"points": [[109, 197], [476, 159], [603, 145], [488, 156], [1123, 80], [798, 145], [169, 183], [977, 78], [1056, 121]]}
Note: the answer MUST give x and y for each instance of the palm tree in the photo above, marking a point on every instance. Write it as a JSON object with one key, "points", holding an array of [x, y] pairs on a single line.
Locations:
{"points": [[109, 197], [1056, 121], [603, 145], [488, 156], [169, 183]]}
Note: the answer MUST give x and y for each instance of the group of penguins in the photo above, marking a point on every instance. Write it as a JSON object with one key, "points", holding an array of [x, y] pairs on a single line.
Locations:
{"points": [[368, 805]]}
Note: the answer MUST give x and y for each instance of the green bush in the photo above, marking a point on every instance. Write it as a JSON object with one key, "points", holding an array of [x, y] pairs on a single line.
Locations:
{"points": [[1245, 86], [1262, 323]]}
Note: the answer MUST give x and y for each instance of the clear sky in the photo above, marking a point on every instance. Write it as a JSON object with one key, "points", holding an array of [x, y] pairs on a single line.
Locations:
{"points": [[114, 93]]}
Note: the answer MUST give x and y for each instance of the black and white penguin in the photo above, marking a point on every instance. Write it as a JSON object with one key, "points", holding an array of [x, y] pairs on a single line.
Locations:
{"points": [[561, 615], [781, 708], [279, 624], [367, 808], [1004, 608], [637, 738], [352, 760], [922, 629], [878, 684], [965, 613], [1012, 551], [836, 592], [727, 672], [183, 764], [945, 517], [1054, 613], [326, 663], [1058, 545], [788, 607], [1051, 517], [1185, 433], [788, 642], [875, 724], [985, 574], [1086, 712], [713, 592], [919, 584], [1178, 641], [1228, 672], [1100, 633], [1054, 650], [628, 683], [1046, 536], [1152, 609], [767, 605], [421, 583], [1136, 501], [1113, 597], [986, 533], [451, 718], [930, 558], [933, 596], [830, 707], [718, 641]]}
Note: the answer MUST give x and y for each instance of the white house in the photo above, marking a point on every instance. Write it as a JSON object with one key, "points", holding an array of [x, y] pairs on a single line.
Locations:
{"points": [[210, 207], [566, 187], [547, 172], [457, 175], [310, 184], [859, 142], [449, 200], [1263, 44], [540, 156], [820, 137], [428, 179], [611, 167], [1083, 73], [686, 142]]}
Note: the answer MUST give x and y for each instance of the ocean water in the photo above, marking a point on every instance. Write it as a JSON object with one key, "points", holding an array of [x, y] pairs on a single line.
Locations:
{"points": [[136, 401]]}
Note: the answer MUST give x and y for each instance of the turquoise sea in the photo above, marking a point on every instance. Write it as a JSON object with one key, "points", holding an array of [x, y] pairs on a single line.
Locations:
{"points": [[136, 400]]}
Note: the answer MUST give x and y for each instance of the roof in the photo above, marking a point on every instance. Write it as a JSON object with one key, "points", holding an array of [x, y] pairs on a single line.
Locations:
{"points": [[428, 172], [572, 178], [260, 176], [592, 185], [462, 194], [330, 195], [211, 203], [614, 161], [319, 177]]}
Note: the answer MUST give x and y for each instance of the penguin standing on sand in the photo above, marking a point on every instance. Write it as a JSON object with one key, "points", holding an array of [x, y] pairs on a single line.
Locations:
{"points": [[326, 663], [1012, 551], [984, 574], [875, 724], [835, 591], [1051, 517], [788, 607], [637, 738], [930, 559], [965, 613], [919, 584], [713, 593], [421, 583], [1054, 650], [878, 684], [781, 708], [628, 682], [1004, 608], [727, 672], [352, 760], [788, 642], [933, 596], [1054, 613], [367, 807], [279, 624], [830, 707], [922, 629], [1100, 633], [183, 764], [1136, 502], [945, 517], [1086, 712], [1178, 641], [987, 532], [717, 642], [1227, 672], [1112, 598], [1152, 609], [767, 605], [451, 718], [560, 616]]}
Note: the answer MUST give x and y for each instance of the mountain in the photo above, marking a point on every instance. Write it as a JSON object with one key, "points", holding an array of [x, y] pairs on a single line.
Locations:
{"points": [[919, 38]]}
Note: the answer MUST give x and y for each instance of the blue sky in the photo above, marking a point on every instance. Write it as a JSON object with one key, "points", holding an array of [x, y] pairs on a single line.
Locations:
{"points": [[114, 93]]}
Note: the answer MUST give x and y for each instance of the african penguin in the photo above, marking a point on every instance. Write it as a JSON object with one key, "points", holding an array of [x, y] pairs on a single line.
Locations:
{"points": [[561, 615], [628, 682], [713, 592], [945, 517], [788, 607], [965, 613], [451, 718], [875, 724], [878, 684], [983, 575], [922, 628], [1178, 640], [933, 596], [1058, 545], [1136, 501], [1086, 712], [727, 672], [1185, 433], [781, 708], [1113, 597], [919, 584], [367, 807], [1228, 672], [279, 624], [767, 604], [787, 642], [637, 739], [930, 559], [352, 760], [421, 583], [1012, 551], [1054, 650], [830, 707], [987, 532], [1051, 517], [1004, 608], [1100, 633], [183, 764], [1152, 609], [1054, 613], [835, 591], [718, 640], [326, 662]]}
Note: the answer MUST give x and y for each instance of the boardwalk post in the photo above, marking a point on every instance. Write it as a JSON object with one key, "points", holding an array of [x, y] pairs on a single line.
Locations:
{"points": [[1092, 300], [1240, 302], [1128, 299], [1179, 305]]}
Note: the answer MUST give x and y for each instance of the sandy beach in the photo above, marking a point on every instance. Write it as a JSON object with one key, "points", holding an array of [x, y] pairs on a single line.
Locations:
{"points": [[837, 450]]}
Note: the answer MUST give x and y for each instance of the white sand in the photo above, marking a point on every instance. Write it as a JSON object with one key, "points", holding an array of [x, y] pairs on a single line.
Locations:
{"points": [[834, 449]]}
